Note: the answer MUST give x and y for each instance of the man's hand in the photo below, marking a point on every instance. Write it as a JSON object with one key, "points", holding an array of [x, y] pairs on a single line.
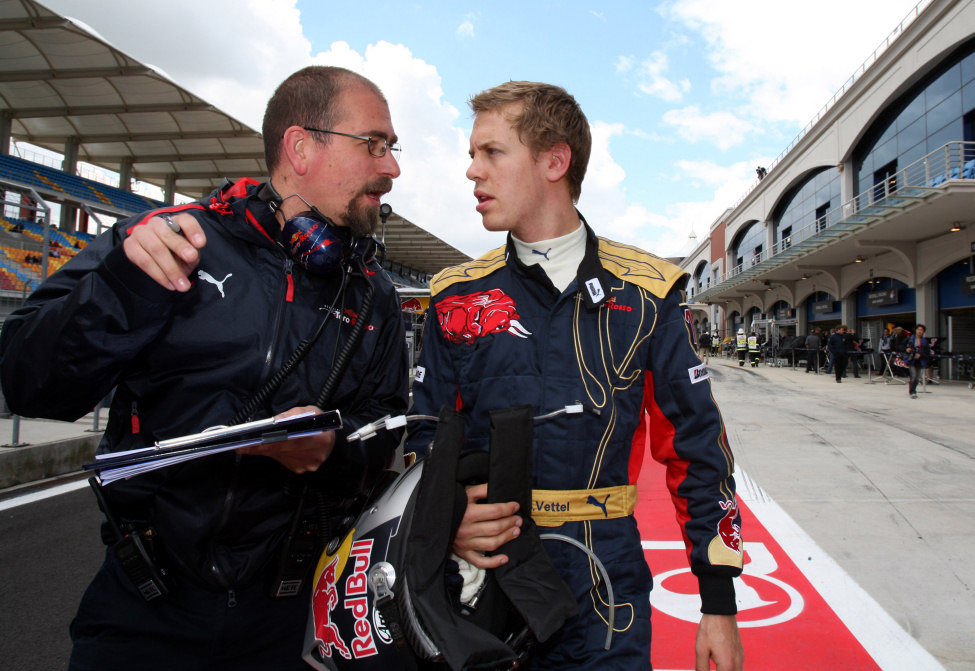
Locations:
{"points": [[485, 528], [300, 455], [718, 639], [164, 255]]}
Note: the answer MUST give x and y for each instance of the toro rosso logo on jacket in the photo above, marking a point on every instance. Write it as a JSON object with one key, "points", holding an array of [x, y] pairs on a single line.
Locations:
{"points": [[464, 319]]}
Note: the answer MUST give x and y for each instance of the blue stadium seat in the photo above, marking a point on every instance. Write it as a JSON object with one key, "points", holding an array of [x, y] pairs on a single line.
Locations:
{"points": [[41, 176]]}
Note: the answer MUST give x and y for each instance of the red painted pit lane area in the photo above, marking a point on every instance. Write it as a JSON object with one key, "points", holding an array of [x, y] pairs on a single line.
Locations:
{"points": [[784, 622]]}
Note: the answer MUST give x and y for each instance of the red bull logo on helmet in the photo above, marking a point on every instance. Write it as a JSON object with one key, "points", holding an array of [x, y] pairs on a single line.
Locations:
{"points": [[324, 601], [356, 599]]}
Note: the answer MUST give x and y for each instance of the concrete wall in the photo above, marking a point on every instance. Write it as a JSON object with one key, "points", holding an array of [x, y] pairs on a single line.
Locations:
{"points": [[45, 460]]}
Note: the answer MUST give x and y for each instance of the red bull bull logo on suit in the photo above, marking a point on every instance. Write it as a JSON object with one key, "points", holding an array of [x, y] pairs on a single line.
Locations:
{"points": [[729, 531], [466, 318]]}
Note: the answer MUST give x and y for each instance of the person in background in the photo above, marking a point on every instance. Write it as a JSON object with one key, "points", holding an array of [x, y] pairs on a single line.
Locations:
{"points": [[741, 346], [704, 346], [813, 344], [916, 354], [753, 349], [838, 348], [854, 351]]}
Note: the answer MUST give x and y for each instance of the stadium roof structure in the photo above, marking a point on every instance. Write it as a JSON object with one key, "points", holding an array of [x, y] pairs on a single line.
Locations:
{"points": [[410, 245], [63, 86], [59, 84]]}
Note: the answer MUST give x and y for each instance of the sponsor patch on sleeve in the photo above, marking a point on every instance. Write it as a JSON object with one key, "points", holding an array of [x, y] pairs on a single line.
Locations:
{"points": [[420, 373], [698, 373]]}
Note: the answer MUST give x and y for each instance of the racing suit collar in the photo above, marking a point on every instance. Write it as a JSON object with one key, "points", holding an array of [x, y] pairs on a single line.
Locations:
{"points": [[592, 280]]}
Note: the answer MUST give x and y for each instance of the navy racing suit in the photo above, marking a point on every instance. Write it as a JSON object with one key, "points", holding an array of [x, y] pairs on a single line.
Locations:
{"points": [[619, 340]]}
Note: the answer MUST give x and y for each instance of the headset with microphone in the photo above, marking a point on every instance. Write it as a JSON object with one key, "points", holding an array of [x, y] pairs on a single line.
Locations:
{"points": [[314, 241]]}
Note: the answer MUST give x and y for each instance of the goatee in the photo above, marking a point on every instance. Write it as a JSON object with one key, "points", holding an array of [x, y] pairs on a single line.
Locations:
{"points": [[363, 220]]}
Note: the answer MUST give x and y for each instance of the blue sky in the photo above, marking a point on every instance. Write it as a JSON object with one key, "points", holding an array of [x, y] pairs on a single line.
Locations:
{"points": [[685, 97]]}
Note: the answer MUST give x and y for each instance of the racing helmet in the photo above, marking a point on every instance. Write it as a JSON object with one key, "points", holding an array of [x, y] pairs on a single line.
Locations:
{"points": [[346, 628], [381, 597]]}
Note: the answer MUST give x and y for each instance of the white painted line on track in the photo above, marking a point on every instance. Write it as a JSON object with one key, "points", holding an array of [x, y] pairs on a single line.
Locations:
{"points": [[57, 490], [892, 648]]}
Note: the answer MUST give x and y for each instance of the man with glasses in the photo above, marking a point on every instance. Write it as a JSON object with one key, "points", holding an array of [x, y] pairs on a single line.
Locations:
{"points": [[216, 312]]}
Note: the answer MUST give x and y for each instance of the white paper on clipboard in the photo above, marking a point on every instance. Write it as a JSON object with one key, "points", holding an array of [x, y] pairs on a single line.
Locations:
{"points": [[114, 466]]}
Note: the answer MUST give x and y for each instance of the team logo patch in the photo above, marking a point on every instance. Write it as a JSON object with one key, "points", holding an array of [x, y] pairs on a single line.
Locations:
{"points": [[411, 305], [611, 304], [464, 319], [595, 290], [698, 373]]}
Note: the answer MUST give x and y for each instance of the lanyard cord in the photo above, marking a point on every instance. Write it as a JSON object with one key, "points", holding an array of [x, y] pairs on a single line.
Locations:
{"points": [[341, 361], [246, 413]]}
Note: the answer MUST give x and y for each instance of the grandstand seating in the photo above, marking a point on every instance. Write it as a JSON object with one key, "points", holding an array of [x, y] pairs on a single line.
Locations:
{"points": [[20, 266], [28, 173]]}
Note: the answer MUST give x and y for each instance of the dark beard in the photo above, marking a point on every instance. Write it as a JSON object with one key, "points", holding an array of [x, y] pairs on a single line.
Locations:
{"points": [[363, 221]]}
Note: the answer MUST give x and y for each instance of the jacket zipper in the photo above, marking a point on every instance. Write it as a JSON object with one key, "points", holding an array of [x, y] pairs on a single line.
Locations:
{"points": [[279, 319], [228, 501]]}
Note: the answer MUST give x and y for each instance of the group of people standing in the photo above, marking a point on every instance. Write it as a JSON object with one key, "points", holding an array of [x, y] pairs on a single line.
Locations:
{"points": [[748, 347], [844, 346]]}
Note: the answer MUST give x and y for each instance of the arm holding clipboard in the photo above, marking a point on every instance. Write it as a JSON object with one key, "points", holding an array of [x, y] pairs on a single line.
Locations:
{"points": [[301, 439]]}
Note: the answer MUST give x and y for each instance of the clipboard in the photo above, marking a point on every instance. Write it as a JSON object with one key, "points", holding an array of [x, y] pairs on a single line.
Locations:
{"points": [[122, 465]]}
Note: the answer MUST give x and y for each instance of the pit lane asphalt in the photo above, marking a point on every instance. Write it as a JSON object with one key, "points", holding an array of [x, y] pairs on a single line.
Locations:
{"points": [[885, 484]]}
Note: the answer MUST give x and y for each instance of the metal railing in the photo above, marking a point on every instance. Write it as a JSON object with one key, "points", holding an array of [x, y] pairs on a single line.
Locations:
{"points": [[871, 59], [953, 161]]}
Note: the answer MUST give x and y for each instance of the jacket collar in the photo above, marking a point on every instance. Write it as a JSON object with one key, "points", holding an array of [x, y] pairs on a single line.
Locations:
{"points": [[592, 280]]}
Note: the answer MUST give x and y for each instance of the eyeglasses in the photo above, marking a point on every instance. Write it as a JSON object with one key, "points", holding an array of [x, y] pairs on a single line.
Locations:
{"points": [[377, 145]]}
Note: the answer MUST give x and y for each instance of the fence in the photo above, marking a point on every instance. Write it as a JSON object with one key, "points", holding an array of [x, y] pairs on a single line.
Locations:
{"points": [[953, 161]]}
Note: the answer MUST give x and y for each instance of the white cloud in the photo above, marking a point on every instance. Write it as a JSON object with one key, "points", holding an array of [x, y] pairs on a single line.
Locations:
{"points": [[466, 28], [212, 63], [433, 191], [653, 81], [604, 201], [723, 129], [663, 231], [651, 77], [783, 61]]}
